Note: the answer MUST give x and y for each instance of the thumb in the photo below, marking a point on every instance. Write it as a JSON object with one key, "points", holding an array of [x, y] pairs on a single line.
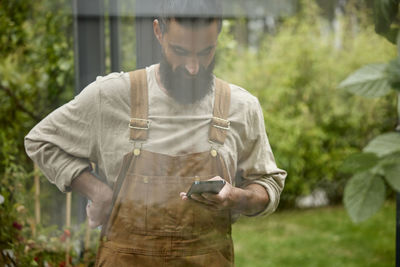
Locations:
{"points": [[216, 178]]}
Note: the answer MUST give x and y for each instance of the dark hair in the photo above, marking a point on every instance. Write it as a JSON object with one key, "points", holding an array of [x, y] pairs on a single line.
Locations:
{"points": [[190, 13]]}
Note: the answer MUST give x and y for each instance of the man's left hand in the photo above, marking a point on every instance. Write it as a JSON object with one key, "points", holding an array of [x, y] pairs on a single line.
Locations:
{"points": [[249, 200], [221, 201]]}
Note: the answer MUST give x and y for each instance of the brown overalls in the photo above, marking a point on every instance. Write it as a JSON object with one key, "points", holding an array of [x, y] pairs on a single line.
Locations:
{"points": [[150, 225]]}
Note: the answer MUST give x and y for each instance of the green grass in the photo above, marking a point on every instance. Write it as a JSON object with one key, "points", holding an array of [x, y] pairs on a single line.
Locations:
{"points": [[317, 237]]}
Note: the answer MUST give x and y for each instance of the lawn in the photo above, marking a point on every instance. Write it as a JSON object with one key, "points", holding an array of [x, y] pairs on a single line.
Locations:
{"points": [[316, 237]]}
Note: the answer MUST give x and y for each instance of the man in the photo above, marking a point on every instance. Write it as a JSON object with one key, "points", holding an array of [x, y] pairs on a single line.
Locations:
{"points": [[185, 125]]}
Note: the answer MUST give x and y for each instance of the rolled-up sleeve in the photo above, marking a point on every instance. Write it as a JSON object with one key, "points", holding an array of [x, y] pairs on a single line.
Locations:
{"points": [[257, 163], [64, 143]]}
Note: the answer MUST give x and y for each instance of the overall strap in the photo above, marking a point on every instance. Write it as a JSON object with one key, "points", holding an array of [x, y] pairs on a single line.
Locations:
{"points": [[219, 123], [139, 123]]}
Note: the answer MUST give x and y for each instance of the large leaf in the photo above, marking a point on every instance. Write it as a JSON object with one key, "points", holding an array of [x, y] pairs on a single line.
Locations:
{"points": [[385, 12], [392, 176], [391, 34], [398, 43], [359, 162], [364, 194], [390, 166], [384, 144], [393, 73], [369, 81]]}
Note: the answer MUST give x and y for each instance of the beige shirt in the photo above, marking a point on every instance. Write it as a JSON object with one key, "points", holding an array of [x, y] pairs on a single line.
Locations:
{"points": [[93, 127]]}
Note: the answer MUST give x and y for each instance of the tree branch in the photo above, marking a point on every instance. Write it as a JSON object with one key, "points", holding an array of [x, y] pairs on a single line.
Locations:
{"points": [[20, 106]]}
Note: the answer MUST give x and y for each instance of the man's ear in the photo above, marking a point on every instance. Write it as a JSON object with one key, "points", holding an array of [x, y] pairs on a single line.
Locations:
{"points": [[157, 30]]}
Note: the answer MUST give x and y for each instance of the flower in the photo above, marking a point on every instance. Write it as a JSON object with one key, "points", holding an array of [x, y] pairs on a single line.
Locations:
{"points": [[67, 232], [65, 235], [17, 226], [42, 238], [21, 209], [30, 243]]}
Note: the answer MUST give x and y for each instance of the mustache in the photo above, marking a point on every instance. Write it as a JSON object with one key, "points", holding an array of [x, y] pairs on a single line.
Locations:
{"points": [[184, 87]]}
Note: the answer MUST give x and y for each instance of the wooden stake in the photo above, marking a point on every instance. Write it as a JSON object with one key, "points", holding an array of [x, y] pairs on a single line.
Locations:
{"points": [[87, 242], [68, 227], [37, 194], [87, 233]]}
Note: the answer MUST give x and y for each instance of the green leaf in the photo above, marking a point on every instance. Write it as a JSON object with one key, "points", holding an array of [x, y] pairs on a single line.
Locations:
{"points": [[364, 195], [384, 144], [393, 73], [390, 159], [398, 43], [369, 81], [391, 34], [392, 175], [65, 65], [385, 12], [359, 162], [379, 168], [390, 166]]}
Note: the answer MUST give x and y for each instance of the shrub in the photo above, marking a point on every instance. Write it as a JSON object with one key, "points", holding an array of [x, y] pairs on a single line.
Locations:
{"points": [[312, 126]]}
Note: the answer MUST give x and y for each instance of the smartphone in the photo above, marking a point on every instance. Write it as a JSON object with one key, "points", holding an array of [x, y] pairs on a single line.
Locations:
{"points": [[212, 187]]}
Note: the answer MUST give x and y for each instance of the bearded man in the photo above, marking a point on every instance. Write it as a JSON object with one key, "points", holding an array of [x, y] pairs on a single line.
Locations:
{"points": [[152, 133]]}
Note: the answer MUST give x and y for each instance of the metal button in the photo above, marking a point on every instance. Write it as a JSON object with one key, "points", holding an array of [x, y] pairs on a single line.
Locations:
{"points": [[136, 152], [213, 153], [145, 180]]}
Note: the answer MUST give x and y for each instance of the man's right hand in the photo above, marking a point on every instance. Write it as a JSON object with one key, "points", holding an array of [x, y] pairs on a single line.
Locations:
{"points": [[99, 194], [98, 212]]}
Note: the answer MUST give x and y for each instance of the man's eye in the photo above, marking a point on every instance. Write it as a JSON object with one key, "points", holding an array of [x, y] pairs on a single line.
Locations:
{"points": [[180, 52], [205, 52]]}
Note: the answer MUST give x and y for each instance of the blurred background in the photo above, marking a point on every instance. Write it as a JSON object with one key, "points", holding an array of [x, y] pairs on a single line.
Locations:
{"points": [[292, 55]]}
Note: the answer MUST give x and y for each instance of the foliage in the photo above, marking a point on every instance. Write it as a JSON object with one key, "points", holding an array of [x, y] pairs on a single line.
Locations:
{"points": [[369, 81], [36, 68], [18, 232], [365, 192], [312, 127], [385, 12], [36, 76], [364, 195]]}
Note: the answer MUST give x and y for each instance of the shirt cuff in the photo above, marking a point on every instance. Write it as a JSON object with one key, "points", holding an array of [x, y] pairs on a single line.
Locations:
{"points": [[69, 172], [273, 191], [272, 203]]}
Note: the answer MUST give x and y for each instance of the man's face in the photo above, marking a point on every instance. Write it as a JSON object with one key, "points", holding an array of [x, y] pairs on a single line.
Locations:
{"points": [[188, 60]]}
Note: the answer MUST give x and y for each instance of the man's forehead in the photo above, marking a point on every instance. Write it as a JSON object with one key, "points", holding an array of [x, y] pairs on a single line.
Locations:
{"points": [[200, 37]]}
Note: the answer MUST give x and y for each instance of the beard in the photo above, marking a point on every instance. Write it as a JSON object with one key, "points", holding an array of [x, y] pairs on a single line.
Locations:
{"points": [[181, 86]]}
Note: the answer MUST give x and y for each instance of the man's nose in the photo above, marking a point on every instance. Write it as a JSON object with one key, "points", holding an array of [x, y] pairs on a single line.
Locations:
{"points": [[192, 66]]}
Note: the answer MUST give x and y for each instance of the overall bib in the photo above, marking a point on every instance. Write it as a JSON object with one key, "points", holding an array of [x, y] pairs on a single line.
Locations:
{"points": [[150, 225]]}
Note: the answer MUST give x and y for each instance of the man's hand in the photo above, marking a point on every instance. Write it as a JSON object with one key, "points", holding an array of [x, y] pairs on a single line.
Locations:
{"points": [[222, 200], [250, 200], [99, 194], [99, 209]]}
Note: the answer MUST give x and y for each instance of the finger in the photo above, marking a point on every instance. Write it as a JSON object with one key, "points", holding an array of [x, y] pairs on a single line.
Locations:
{"points": [[199, 198], [205, 205], [183, 196], [88, 210], [94, 216], [93, 224], [216, 178], [214, 198]]}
